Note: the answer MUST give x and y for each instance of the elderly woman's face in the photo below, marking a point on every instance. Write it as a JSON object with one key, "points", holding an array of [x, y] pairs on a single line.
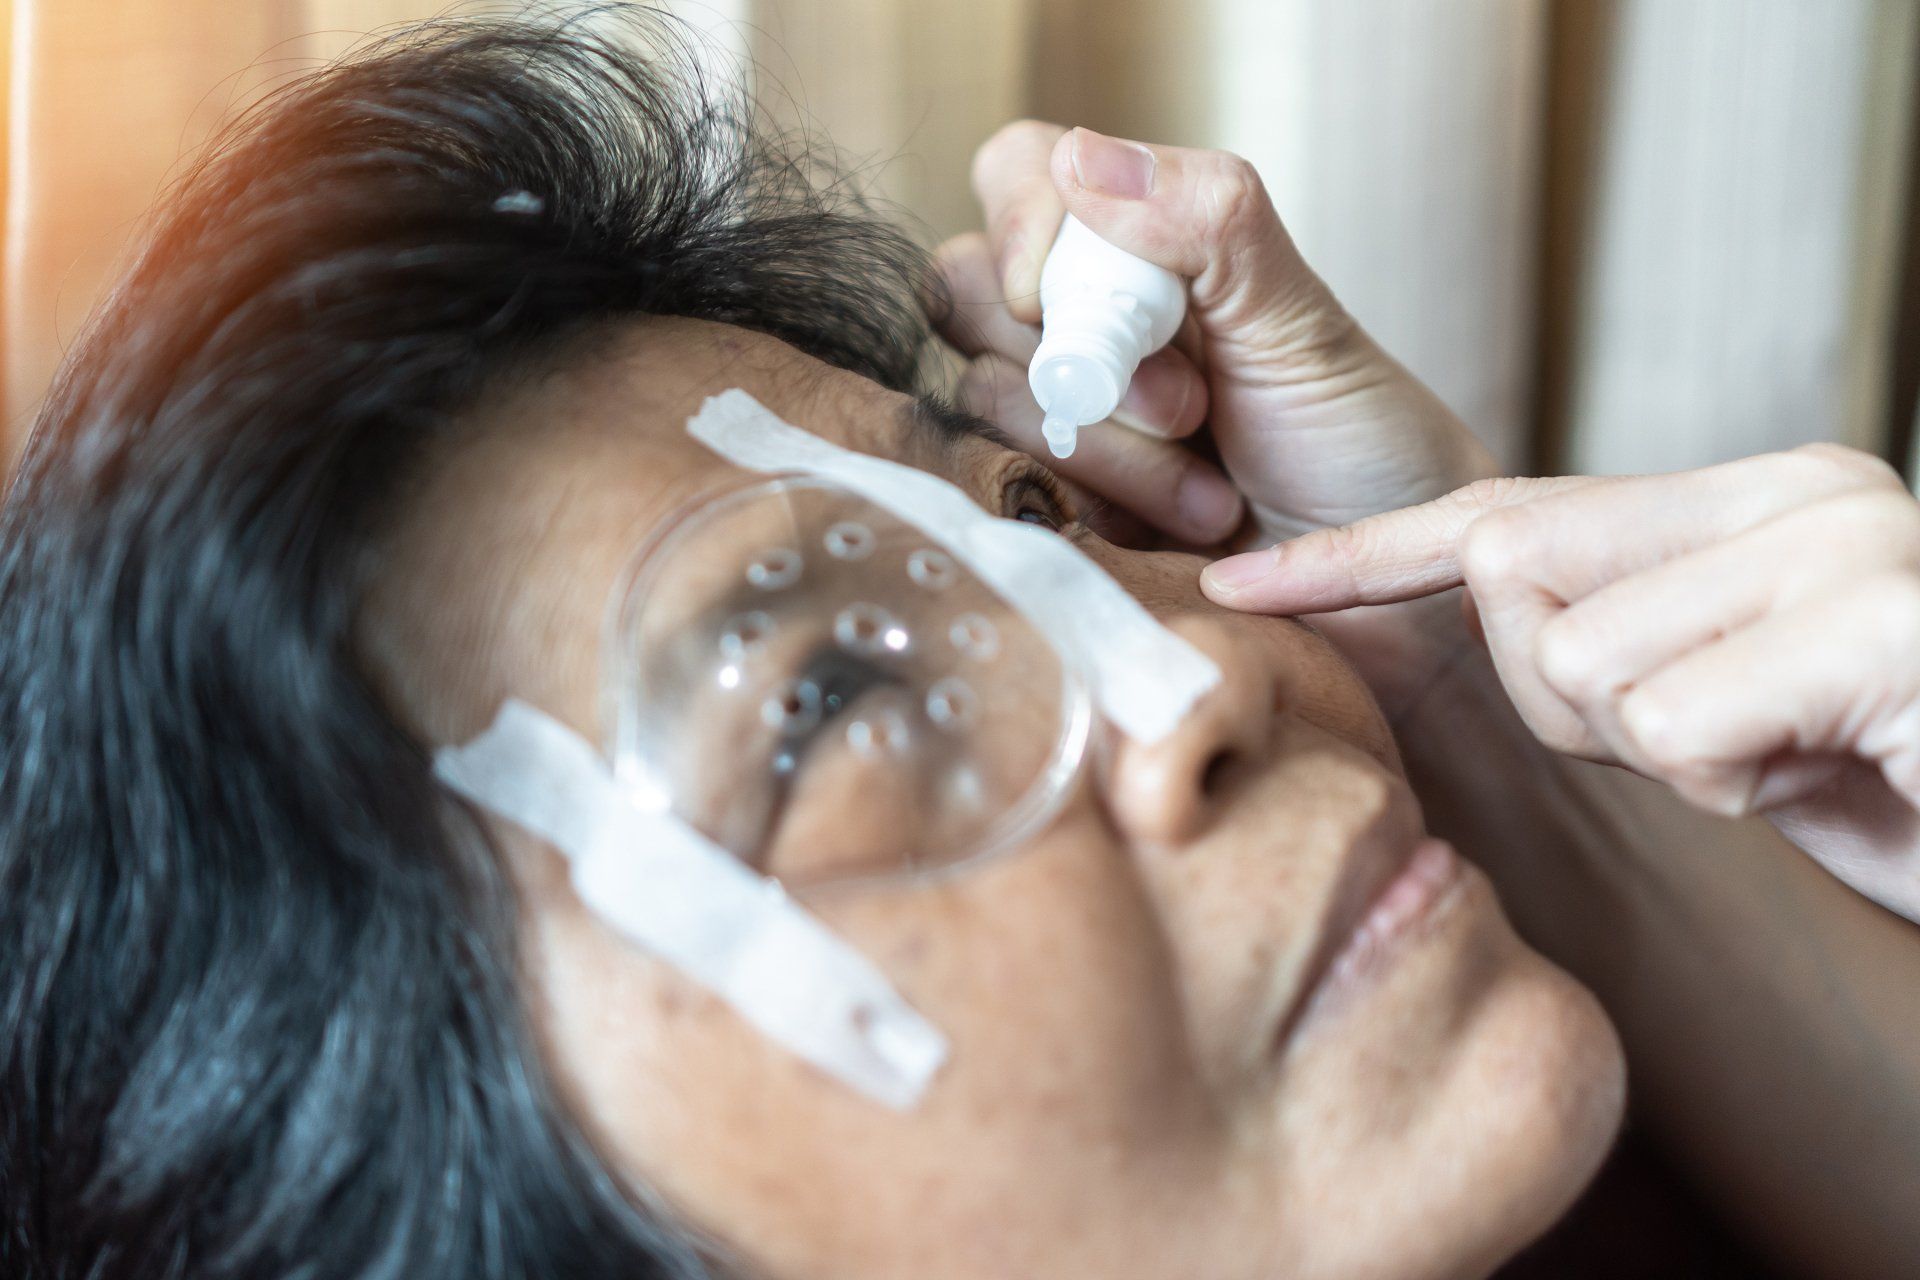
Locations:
{"points": [[1224, 1017]]}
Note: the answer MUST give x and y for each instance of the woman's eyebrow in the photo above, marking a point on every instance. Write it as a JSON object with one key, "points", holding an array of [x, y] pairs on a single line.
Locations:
{"points": [[933, 419]]}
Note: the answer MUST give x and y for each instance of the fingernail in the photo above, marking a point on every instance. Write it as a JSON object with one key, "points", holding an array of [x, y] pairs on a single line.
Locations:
{"points": [[1238, 572], [1208, 503], [1111, 167], [1132, 421], [1128, 414]]}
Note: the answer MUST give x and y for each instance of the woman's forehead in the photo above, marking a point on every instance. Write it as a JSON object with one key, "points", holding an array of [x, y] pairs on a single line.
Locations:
{"points": [[618, 420], [650, 376]]}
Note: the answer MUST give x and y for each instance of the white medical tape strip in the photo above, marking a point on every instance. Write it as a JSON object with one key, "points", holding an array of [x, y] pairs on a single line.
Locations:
{"points": [[1144, 677], [676, 894]]}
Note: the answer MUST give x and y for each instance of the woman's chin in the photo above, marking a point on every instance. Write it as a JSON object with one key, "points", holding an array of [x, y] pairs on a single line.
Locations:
{"points": [[1522, 1093], [1549, 1093], [1561, 1116]]}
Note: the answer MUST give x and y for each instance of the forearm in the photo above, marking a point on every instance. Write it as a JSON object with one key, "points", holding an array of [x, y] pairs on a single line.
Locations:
{"points": [[1771, 1015]]}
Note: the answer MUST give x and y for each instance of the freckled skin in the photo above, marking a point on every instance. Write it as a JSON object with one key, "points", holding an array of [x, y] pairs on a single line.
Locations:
{"points": [[1116, 1104]]}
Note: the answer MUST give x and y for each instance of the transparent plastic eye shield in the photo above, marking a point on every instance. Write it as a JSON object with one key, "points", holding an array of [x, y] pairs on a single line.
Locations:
{"points": [[846, 674], [843, 700]]}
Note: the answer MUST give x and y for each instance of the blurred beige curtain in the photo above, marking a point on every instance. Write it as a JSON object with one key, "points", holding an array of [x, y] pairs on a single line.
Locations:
{"points": [[1614, 234], [1728, 269], [105, 98]]}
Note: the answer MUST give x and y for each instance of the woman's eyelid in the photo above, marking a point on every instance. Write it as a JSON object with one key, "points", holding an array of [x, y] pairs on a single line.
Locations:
{"points": [[1026, 482]]}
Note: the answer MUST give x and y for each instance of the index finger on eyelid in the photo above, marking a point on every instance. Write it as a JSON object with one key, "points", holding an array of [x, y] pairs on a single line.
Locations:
{"points": [[1023, 210], [1576, 534], [1382, 559]]}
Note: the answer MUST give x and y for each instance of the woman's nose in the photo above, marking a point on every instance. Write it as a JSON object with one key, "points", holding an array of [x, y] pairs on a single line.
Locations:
{"points": [[1165, 792]]}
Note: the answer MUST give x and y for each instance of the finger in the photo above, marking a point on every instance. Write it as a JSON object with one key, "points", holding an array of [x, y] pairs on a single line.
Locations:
{"points": [[1167, 397], [1600, 646], [1470, 616], [1531, 565], [1164, 483], [1512, 611], [1793, 778], [976, 319], [1012, 181], [1190, 340], [1820, 678], [1383, 559], [1204, 215], [1571, 535], [1580, 538], [1855, 825], [1420, 551]]}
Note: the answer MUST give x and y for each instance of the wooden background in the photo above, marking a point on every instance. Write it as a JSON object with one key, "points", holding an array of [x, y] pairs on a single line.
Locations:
{"points": [[1617, 235]]}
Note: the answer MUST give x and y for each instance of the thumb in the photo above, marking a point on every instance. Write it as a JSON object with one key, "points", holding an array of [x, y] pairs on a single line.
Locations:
{"points": [[1204, 215], [1398, 555]]}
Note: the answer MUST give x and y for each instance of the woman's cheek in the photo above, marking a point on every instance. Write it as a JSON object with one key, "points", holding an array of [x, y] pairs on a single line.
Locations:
{"points": [[1325, 691]]}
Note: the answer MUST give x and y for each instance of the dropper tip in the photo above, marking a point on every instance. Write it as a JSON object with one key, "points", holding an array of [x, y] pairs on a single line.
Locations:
{"points": [[1061, 434]]}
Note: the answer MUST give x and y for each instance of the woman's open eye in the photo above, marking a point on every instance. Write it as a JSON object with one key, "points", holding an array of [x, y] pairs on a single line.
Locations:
{"points": [[1031, 498]]}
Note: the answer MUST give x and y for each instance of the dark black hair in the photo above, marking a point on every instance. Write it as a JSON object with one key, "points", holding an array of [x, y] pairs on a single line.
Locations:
{"points": [[258, 1014]]}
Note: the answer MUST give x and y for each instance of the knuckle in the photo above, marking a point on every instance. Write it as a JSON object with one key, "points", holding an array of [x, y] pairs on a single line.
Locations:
{"points": [[1235, 196], [1558, 727], [1886, 508], [1561, 734], [1847, 463], [1352, 543], [1032, 132], [956, 252], [1569, 660], [1879, 521], [1719, 791], [1018, 142], [1658, 728], [1494, 550], [1484, 492], [1839, 541], [1490, 492], [1577, 743], [1896, 599]]}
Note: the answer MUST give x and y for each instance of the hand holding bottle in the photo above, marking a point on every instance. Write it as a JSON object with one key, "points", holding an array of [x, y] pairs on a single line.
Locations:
{"points": [[1314, 423], [1102, 311]]}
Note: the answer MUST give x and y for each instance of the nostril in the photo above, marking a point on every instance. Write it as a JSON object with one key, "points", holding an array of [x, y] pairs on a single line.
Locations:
{"points": [[1213, 775]]}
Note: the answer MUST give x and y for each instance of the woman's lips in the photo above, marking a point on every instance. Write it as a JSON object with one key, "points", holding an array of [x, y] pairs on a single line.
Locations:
{"points": [[1408, 899], [1364, 942]]}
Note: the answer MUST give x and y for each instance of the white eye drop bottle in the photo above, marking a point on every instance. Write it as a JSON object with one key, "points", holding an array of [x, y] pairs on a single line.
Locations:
{"points": [[1102, 311]]}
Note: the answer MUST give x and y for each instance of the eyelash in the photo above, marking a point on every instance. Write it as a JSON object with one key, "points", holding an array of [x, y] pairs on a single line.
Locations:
{"points": [[1033, 490]]}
